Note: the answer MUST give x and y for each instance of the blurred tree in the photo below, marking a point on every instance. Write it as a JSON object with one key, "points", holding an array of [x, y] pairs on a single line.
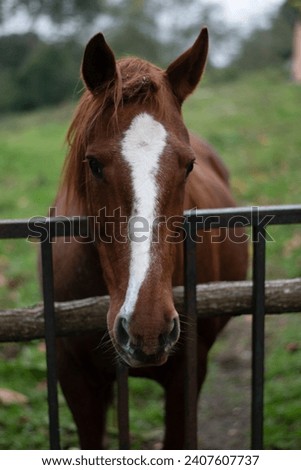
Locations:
{"points": [[58, 11], [36, 71], [15, 50], [271, 46], [49, 75], [134, 30], [153, 29]]}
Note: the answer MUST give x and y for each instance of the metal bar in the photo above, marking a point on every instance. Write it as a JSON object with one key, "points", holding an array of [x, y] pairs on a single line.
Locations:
{"points": [[50, 340], [37, 227], [258, 336], [123, 406], [254, 216], [205, 218], [190, 280]]}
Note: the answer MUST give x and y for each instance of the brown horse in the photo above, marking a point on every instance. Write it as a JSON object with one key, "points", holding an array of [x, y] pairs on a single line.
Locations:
{"points": [[133, 168]]}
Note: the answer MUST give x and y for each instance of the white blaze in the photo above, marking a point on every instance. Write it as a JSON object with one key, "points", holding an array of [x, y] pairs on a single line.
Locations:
{"points": [[142, 147]]}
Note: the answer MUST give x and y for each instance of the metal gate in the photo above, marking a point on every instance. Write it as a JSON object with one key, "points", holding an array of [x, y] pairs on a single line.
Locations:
{"points": [[258, 218]]}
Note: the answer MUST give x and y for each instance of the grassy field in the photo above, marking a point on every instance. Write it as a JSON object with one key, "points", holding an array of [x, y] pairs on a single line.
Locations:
{"points": [[254, 123]]}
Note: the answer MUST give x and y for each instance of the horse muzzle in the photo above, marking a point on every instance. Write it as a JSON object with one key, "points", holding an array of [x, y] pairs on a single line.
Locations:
{"points": [[148, 349]]}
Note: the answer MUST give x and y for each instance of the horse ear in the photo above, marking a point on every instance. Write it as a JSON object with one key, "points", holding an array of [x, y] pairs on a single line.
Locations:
{"points": [[99, 65], [185, 72]]}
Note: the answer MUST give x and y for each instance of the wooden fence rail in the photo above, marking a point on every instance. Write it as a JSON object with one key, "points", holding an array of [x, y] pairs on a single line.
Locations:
{"points": [[232, 298]]}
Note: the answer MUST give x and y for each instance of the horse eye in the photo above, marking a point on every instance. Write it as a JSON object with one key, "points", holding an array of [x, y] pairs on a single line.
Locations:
{"points": [[96, 167], [189, 167]]}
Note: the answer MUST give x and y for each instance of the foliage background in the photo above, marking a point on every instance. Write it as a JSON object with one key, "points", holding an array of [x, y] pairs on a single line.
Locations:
{"points": [[41, 67]]}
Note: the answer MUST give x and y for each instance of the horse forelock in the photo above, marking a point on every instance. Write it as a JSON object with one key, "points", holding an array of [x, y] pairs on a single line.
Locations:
{"points": [[137, 81], [140, 80]]}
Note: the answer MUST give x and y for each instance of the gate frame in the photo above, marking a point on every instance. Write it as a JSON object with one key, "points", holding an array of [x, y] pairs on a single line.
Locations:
{"points": [[258, 218]]}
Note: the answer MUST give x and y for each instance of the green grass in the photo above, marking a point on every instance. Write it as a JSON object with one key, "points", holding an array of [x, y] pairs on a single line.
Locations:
{"points": [[283, 385], [25, 426], [32, 154], [254, 125]]}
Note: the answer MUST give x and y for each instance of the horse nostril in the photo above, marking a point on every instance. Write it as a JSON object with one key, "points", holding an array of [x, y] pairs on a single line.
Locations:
{"points": [[175, 331], [122, 332], [171, 337], [163, 338]]}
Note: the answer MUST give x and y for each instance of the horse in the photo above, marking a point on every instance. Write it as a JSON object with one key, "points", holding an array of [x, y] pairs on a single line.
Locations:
{"points": [[132, 168]]}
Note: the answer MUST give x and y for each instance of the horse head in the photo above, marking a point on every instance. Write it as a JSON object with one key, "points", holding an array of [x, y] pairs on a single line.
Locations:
{"points": [[129, 162]]}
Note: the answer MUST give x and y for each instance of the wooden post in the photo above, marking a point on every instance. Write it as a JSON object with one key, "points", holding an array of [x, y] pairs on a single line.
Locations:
{"points": [[296, 59]]}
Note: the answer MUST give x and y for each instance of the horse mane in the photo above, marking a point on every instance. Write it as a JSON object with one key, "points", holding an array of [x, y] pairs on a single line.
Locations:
{"points": [[136, 81]]}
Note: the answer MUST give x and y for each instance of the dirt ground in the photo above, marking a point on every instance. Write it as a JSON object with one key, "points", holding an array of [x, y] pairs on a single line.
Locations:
{"points": [[224, 407]]}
